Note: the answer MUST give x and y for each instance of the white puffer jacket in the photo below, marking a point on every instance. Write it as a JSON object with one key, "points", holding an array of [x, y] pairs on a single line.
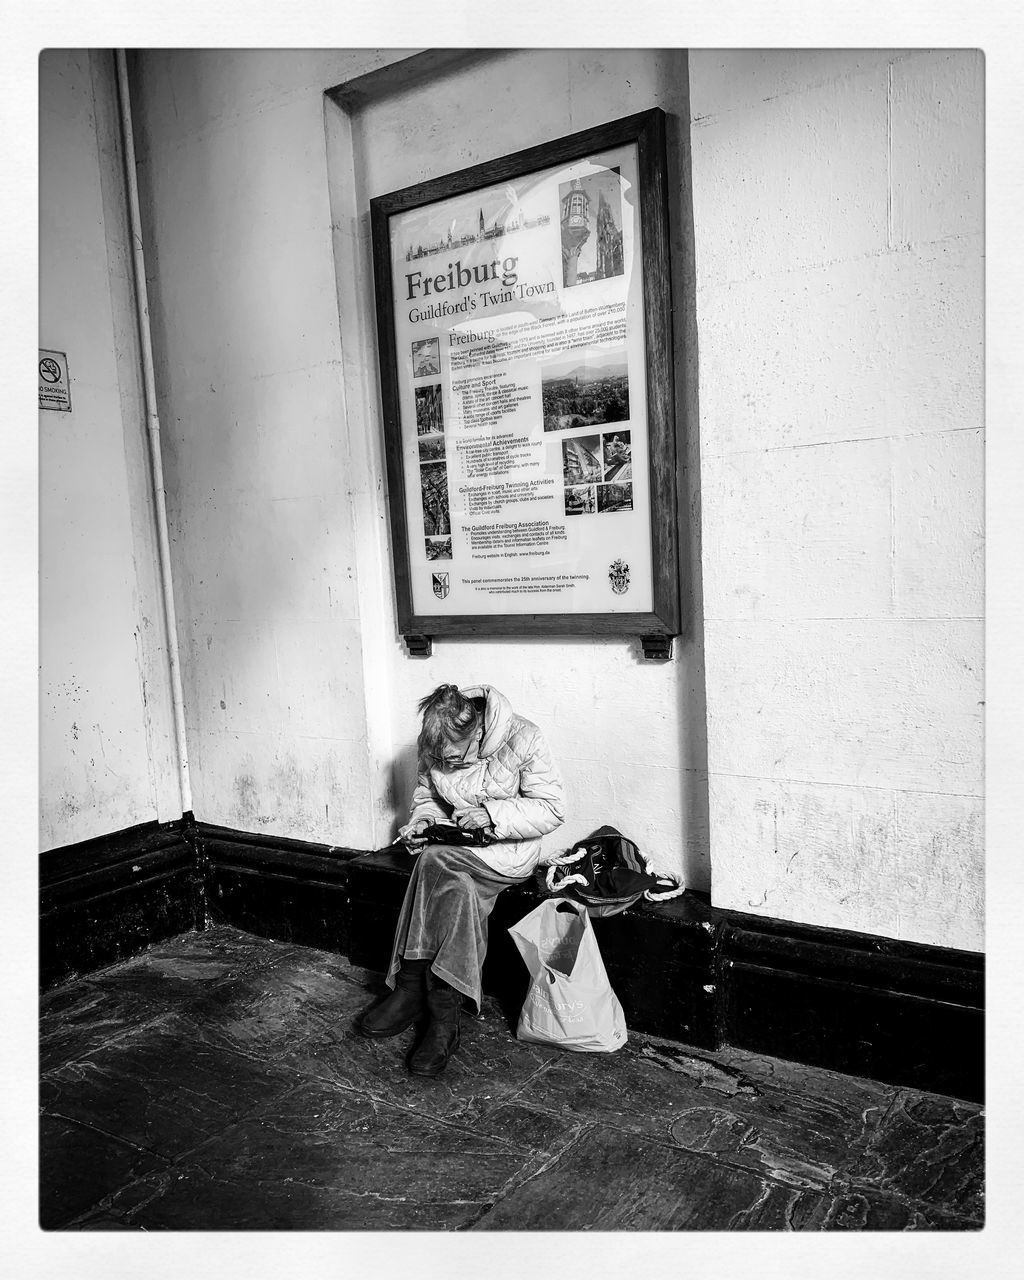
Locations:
{"points": [[510, 773]]}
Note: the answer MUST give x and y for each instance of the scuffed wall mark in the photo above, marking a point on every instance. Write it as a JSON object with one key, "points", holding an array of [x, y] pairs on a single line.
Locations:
{"points": [[789, 864], [751, 903], [74, 731], [246, 798], [67, 809], [103, 753], [140, 662]]}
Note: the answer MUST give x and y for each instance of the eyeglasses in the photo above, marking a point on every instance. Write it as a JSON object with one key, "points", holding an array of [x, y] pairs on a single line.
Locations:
{"points": [[453, 754]]}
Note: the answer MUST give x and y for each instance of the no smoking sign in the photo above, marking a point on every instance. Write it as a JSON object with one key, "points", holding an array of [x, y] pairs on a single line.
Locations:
{"points": [[54, 385]]}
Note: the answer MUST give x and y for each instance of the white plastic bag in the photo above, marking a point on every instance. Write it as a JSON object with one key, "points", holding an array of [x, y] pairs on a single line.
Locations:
{"points": [[570, 1002]]}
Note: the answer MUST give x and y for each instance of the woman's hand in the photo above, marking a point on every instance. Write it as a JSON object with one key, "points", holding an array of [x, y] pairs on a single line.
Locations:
{"points": [[472, 819], [412, 832]]}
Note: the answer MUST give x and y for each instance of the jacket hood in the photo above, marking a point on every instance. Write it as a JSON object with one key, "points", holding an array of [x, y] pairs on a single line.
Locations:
{"points": [[497, 716]]}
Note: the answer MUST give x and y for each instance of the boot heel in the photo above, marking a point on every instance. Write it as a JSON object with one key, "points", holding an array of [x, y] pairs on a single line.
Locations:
{"points": [[403, 1007]]}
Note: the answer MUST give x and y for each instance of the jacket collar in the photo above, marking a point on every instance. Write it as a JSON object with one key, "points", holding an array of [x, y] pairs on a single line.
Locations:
{"points": [[497, 716]]}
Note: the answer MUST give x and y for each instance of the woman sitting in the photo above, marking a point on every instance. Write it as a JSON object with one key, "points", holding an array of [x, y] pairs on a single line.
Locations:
{"points": [[486, 769]]}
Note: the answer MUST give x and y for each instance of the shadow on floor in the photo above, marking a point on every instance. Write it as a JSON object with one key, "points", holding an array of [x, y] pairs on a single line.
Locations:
{"points": [[216, 1083]]}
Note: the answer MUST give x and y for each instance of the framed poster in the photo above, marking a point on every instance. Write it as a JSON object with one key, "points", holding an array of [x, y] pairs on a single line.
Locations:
{"points": [[524, 331]]}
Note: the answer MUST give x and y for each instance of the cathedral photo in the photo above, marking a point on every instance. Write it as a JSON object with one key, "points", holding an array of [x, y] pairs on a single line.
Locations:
{"points": [[591, 221]]}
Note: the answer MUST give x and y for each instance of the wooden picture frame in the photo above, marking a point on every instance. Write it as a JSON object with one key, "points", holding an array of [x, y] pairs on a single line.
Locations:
{"points": [[526, 365]]}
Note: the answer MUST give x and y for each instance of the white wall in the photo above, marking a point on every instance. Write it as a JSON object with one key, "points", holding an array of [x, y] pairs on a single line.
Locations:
{"points": [[259, 448], [106, 743], [300, 697], [839, 219], [837, 222]]}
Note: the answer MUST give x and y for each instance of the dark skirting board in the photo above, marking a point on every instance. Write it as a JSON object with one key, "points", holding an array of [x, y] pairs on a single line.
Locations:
{"points": [[106, 899]]}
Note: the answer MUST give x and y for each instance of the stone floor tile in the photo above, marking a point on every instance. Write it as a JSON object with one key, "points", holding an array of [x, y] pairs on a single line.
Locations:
{"points": [[221, 944], [82, 1015], [184, 967], [79, 1167], [77, 1019], [525, 1129], [489, 1066], [614, 1181], [930, 1149], [159, 1091], [104, 1222], [326, 1159], [802, 1138], [267, 1012], [868, 1209]]}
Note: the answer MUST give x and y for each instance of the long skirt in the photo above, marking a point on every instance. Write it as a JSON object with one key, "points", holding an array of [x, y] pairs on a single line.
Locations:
{"points": [[444, 916]]}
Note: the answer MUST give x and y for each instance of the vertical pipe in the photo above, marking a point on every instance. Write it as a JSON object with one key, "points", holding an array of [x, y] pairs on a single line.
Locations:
{"points": [[153, 426]]}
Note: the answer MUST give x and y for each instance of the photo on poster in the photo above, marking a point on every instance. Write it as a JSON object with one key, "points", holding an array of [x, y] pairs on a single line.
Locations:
{"points": [[615, 497], [591, 219], [473, 227], [431, 448], [439, 548], [426, 358], [617, 454], [434, 488], [429, 415], [579, 500], [581, 460], [585, 388]]}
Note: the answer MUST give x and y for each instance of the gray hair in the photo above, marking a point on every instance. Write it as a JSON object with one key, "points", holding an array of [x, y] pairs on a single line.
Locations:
{"points": [[448, 716]]}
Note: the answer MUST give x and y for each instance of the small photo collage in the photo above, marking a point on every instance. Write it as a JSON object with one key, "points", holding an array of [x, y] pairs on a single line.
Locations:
{"points": [[433, 471], [597, 473]]}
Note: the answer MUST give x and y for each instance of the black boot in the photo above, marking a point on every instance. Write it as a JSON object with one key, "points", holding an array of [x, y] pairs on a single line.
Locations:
{"points": [[402, 1007], [442, 1038]]}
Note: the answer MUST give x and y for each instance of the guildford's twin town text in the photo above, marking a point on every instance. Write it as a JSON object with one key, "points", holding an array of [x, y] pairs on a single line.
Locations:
{"points": [[459, 277]]}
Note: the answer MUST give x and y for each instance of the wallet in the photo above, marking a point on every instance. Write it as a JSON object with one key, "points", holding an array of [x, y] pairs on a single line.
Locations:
{"points": [[449, 833]]}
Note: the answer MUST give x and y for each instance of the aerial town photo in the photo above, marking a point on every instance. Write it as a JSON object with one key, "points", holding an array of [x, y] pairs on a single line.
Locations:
{"points": [[434, 488], [585, 388]]}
